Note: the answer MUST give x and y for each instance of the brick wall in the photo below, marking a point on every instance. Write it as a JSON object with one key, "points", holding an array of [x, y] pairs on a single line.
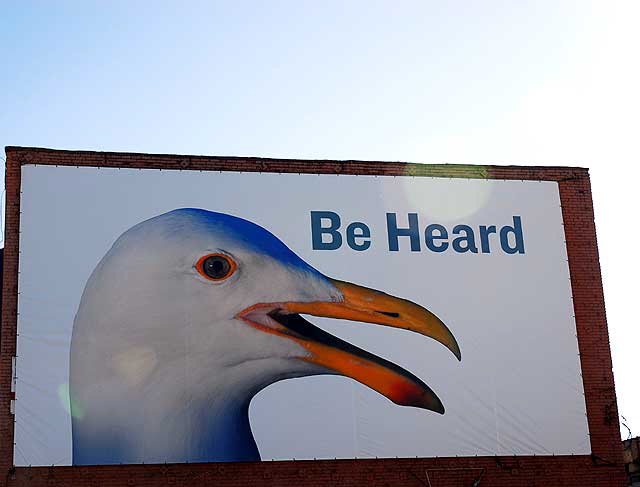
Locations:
{"points": [[603, 467]]}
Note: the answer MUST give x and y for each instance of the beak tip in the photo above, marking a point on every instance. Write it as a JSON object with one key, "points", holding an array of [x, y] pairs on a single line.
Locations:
{"points": [[455, 348], [425, 399], [436, 407]]}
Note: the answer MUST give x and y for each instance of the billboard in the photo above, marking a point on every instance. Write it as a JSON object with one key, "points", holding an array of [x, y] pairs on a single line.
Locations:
{"points": [[186, 316]]}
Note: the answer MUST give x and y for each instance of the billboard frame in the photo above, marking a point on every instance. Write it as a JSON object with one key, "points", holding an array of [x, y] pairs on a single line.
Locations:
{"points": [[588, 304]]}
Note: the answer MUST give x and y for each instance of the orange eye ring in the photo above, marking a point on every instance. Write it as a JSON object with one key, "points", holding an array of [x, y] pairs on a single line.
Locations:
{"points": [[216, 267]]}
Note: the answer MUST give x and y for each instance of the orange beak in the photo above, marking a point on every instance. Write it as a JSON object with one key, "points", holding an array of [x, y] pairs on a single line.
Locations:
{"points": [[371, 306], [365, 305]]}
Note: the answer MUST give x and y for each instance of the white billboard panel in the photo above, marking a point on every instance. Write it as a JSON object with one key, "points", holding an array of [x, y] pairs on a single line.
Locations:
{"points": [[172, 316]]}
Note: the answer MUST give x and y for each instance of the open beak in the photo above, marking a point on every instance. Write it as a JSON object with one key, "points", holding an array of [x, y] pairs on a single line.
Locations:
{"points": [[365, 305]]}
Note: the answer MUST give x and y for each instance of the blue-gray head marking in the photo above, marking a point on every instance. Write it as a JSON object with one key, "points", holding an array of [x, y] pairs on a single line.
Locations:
{"points": [[252, 236]]}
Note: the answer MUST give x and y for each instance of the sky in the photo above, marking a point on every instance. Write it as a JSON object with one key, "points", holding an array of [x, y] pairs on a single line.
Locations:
{"points": [[544, 83]]}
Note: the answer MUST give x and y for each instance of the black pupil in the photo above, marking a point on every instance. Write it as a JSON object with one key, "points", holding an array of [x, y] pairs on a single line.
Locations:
{"points": [[216, 267]]}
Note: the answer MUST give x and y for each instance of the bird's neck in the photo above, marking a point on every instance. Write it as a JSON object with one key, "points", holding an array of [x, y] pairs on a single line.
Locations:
{"points": [[154, 430], [223, 434]]}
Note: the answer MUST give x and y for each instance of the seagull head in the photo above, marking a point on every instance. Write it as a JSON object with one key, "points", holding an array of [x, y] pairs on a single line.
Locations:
{"points": [[214, 303]]}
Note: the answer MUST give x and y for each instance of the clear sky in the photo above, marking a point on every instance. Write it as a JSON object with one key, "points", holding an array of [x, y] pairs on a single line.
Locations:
{"points": [[538, 82]]}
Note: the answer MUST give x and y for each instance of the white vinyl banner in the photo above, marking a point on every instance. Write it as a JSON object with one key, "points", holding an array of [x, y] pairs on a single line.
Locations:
{"points": [[186, 316]]}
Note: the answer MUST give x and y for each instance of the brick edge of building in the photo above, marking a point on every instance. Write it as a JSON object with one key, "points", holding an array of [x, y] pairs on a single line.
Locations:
{"points": [[603, 467]]}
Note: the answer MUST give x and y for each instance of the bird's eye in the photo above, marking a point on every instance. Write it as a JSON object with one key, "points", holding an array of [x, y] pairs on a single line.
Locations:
{"points": [[216, 267]]}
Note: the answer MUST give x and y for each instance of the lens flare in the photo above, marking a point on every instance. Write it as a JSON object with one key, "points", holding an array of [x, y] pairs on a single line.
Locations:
{"points": [[435, 199], [72, 407]]}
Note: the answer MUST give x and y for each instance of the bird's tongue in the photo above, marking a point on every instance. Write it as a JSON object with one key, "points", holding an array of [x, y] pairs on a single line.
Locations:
{"points": [[387, 378]]}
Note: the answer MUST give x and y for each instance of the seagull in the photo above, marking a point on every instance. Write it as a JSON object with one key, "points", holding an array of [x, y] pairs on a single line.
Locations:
{"points": [[189, 315]]}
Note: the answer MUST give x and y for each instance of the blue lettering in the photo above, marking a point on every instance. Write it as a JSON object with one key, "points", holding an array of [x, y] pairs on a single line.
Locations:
{"points": [[516, 231], [363, 232], [431, 239], [484, 237], [468, 239], [393, 232], [317, 230]]}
